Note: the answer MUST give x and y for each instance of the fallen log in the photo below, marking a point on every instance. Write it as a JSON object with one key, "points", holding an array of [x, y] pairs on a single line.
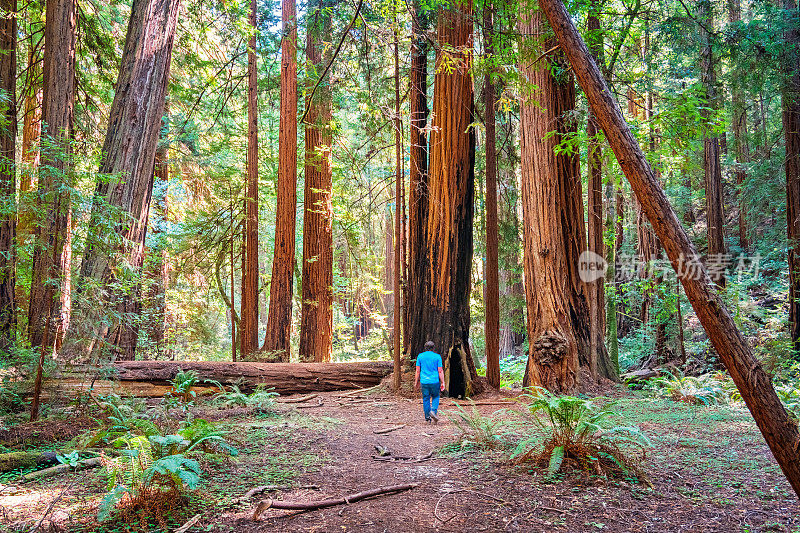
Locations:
{"points": [[15, 460], [151, 378], [263, 505], [60, 469]]}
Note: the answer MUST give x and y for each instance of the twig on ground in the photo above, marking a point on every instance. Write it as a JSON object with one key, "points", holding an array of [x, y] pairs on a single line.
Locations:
{"points": [[188, 525], [298, 400], [388, 430], [49, 509], [320, 403], [358, 391], [310, 506]]}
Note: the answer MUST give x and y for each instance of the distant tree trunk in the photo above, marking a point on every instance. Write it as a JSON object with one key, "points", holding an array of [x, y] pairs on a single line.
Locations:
{"points": [[316, 320], [440, 308], [418, 160], [492, 262], [398, 215], [739, 125], [126, 185], [778, 429], [790, 99], [711, 157], [8, 140], [279, 318], [598, 354], [50, 254], [248, 335], [554, 232]]}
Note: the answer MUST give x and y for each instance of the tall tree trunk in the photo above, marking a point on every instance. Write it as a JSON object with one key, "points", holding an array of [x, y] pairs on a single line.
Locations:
{"points": [[316, 320], [554, 231], [248, 335], [8, 140], [440, 307], [116, 239], [398, 215], [279, 318], [418, 159], [790, 101], [158, 267], [779, 430], [50, 255], [598, 354], [739, 124], [711, 157], [492, 262]]}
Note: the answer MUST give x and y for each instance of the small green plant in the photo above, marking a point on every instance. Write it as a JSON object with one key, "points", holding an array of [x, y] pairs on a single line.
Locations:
{"points": [[152, 472], [705, 389], [475, 429], [576, 431], [789, 394], [183, 383], [262, 399]]}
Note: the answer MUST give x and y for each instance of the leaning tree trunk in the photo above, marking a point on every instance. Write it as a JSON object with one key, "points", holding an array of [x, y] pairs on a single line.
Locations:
{"points": [[51, 251], [440, 301], [711, 158], [116, 240], [248, 334], [417, 159], [777, 427], [279, 317], [554, 234], [316, 316], [8, 140], [791, 128], [492, 262]]}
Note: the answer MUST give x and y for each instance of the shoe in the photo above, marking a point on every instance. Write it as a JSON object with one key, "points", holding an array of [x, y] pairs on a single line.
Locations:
{"points": [[435, 418], [428, 420]]}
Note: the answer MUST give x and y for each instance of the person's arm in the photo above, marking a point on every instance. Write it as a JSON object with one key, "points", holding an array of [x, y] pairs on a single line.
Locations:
{"points": [[417, 386], [441, 379]]}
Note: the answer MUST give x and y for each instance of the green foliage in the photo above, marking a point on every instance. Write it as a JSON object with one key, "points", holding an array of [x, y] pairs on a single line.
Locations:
{"points": [[262, 399], [577, 431], [476, 430], [789, 394], [706, 389]]}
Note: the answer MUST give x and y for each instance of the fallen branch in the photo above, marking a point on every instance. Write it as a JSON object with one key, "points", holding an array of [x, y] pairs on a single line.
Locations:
{"points": [[188, 525], [263, 505], [400, 458], [359, 391], [319, 404], [298, 400], [60, 469], [388, 430]]}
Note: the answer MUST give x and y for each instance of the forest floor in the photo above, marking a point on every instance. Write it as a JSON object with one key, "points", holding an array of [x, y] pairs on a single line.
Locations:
{"points": [[709, 470]]}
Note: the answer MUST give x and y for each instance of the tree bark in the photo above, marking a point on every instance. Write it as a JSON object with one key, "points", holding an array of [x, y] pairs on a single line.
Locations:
{"points": [[50, 254], [711, 158], [779, 429], [397, 326], [316, 318], [554, 231], [279, 318], [115, 249], [440, 306], [248, 334], [739, 126], [8, 193], [492, 328], [790, 102]]}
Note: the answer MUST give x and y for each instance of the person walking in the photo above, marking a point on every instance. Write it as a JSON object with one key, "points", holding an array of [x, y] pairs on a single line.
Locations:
{"points": [[430, 378]]}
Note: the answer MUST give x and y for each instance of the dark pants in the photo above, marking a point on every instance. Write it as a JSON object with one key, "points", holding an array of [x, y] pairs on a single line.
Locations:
{"points": [[430, 391]]}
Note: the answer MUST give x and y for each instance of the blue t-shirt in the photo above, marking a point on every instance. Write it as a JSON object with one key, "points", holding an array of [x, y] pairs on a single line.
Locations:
{"points": [[429, 364]]}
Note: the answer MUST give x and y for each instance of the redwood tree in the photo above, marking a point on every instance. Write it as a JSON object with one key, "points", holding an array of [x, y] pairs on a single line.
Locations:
{"points": [[122, 196], [739, 127], [51, 251], [440, 300], [552, 206], [316, 314], [279, 318], [8, 139]]}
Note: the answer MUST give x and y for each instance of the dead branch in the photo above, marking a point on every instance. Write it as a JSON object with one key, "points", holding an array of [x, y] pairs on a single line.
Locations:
{"points": [[298, 400], [310, 506], [359, 391], [188, 525], [388, 430], [60, 469]]}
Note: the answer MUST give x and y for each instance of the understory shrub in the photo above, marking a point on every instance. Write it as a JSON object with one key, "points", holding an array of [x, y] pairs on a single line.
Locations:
{"points": [[706, 389], [476, 430]]}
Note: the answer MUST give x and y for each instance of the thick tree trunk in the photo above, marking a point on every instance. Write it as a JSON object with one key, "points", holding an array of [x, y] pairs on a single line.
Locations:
{"points": [[126, 185], [279, 318], [739, 126], [791, 127], [248, 335], [779, 429], [440, 306], [554, 231], [8, 140], [316, 320], [711, 150], [492, 330], [50, 255], [418, 160]]}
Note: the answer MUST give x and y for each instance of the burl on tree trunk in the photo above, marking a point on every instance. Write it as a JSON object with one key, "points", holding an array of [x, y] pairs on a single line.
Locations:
{"points": [[779, 429]]}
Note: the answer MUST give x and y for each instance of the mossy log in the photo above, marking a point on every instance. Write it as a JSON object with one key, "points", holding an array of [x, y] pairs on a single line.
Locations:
{"points": [[16, 460]]}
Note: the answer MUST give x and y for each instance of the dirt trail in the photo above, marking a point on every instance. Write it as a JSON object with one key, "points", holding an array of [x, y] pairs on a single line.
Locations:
{"points": [[472, 492]]}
